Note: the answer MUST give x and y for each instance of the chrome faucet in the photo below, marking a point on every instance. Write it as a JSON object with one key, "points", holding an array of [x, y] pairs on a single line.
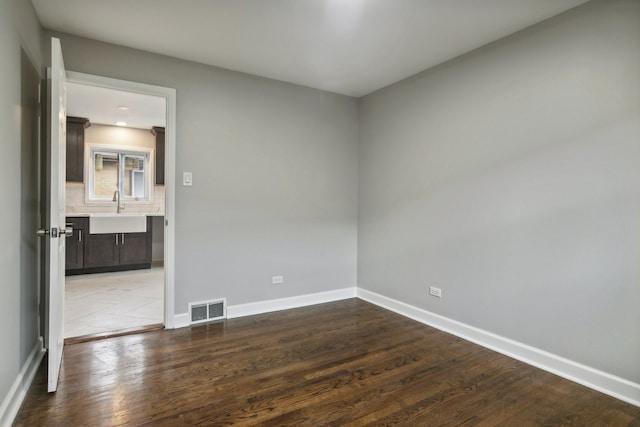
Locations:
{"points": [[116, 198]]}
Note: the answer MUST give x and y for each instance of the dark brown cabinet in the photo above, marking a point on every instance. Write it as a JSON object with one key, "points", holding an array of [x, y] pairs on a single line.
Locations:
{"points": [[74, 245], [102, 250], [75, 148], [113, 251], [135, 248], [158, 132]]}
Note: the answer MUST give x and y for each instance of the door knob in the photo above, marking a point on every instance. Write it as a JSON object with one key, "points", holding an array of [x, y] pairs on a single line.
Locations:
{"points": [[54, 232]]}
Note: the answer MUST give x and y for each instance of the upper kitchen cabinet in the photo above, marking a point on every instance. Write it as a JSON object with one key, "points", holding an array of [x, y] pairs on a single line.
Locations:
{"points": [[158, 132], [75, 148]]}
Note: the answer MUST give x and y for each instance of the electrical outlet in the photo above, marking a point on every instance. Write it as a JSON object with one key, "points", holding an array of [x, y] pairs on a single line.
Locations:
{"points": [[436, 292], [277, 280]]}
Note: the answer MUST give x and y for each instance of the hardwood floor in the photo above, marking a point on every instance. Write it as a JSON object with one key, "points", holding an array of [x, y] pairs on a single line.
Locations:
{"points": [[347, 363]]}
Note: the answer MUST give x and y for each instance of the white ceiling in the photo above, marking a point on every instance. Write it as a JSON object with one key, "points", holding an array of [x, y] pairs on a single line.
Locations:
{"points": [[107, 106], [352, 47]]}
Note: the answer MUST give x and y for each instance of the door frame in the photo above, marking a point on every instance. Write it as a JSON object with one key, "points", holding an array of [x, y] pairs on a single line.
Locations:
{"points": [[169, 94]]}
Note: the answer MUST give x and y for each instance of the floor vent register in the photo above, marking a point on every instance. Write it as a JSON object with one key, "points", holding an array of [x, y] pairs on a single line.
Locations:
{"points": [[207, 311]]}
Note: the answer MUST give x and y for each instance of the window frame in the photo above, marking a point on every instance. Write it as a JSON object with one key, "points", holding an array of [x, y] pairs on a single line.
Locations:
{"points": [[120, 151]]}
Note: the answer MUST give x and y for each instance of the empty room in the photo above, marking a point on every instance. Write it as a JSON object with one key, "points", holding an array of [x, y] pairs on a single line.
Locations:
{"points": [[356, 212]]}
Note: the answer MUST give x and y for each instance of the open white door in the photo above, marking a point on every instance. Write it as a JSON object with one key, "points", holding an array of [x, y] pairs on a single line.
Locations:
{"points": [[56, 211]]}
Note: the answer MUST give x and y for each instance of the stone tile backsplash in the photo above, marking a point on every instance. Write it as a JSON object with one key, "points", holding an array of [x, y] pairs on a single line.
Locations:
{"points": [[75, 202]]}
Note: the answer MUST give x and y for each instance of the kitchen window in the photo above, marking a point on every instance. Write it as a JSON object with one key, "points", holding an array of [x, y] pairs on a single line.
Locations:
{"points": [[126, 171]]}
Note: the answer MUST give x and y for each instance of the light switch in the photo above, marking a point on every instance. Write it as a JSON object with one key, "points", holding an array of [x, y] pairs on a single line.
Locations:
{"points": [[187, 179]]}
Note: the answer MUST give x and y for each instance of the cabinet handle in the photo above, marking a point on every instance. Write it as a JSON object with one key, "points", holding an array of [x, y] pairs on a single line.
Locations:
{"points": [[79, 235], [123, 238], [116, 240]]}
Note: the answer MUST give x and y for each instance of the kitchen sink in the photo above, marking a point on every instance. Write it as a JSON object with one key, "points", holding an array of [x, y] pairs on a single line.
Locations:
{"points": [[106, 223]]}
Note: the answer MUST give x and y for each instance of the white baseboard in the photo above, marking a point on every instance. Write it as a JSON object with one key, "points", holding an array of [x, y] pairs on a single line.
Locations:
{"points": [[18, 391], [268, 306], [604, 382], [182, 320]]}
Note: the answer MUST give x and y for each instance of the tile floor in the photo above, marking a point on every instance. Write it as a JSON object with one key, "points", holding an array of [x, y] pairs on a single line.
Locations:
{"points": [[106, 302]]}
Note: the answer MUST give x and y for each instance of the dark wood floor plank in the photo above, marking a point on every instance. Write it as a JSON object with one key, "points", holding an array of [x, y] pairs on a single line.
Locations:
{"points": [[343, 363]]}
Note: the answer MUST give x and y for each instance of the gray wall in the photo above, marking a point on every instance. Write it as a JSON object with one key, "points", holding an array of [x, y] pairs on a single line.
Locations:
{"points": [[510, 178], [274, 172], [18, 211]]}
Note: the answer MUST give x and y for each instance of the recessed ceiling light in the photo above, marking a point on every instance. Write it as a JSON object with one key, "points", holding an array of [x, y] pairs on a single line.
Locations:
{"points": [[122, 107], [121, 123]]}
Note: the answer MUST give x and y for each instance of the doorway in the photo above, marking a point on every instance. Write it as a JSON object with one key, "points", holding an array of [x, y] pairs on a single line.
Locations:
{"points": [[132, 296]]}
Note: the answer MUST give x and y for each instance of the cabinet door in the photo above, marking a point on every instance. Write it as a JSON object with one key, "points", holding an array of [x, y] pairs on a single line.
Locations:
{"points": [[75, 244], [102, 250], [135, 249], [75, 148], [159, 134]]}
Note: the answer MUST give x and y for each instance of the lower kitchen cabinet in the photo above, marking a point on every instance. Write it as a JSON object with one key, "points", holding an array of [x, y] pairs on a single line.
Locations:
{"points": [[135, 248], [74, 244], [102, 250], [113, 252]]}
